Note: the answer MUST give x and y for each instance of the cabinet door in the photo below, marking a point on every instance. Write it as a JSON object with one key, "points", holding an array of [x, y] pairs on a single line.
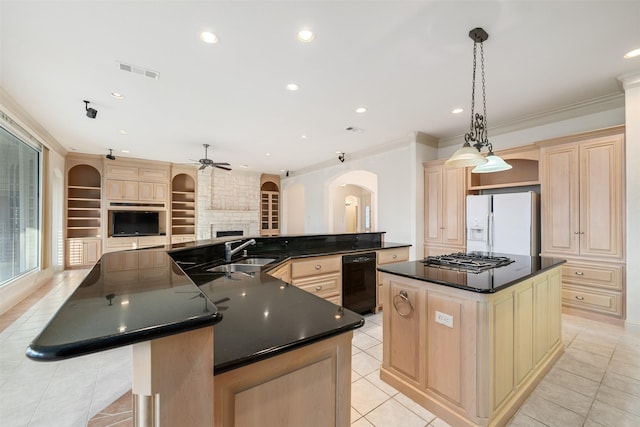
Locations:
{"points": [[453, 206], [560, 200], [433, 227], [118, 189], [601, 198], [152, 191], [91, 251]]}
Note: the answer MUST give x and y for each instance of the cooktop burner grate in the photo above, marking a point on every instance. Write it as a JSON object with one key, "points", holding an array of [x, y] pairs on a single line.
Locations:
{"points": [[470, 262]]}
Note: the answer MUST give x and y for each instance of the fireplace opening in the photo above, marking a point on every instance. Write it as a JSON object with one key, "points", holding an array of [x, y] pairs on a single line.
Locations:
{"points": [[229, 233]]}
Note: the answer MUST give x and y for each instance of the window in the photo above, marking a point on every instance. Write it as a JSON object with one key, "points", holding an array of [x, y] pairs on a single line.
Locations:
{"points": [[19, 207]]}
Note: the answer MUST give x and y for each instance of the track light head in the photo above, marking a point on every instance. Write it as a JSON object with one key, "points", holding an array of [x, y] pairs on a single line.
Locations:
{"points": [[110, 156], [91, 112], [341, 157]]}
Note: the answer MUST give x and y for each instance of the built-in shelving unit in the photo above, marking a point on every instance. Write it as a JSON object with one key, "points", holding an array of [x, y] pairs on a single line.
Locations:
{"points": [[269, 205], [183, 207], [84, 202], [524, 171]]}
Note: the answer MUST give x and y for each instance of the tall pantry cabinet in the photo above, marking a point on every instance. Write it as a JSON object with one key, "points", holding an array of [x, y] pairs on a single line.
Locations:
{"points": [[582, 186], [445, 193]]}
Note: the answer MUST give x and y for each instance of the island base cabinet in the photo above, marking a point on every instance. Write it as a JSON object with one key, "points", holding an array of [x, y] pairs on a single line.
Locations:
{"points": [[470, 358], [309, 386], [172, 382]]}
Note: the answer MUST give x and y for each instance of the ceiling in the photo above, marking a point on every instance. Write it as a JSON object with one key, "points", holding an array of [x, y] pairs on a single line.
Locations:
{"points": [[408, 63]]}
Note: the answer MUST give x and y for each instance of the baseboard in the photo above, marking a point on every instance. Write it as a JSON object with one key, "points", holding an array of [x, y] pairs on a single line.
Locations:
{"points": [[17, 290]]}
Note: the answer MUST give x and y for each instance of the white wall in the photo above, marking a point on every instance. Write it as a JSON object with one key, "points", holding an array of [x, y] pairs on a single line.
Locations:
{"points": [[632, 145]]}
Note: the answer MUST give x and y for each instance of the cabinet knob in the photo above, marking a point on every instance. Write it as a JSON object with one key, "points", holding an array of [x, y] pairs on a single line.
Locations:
{"points": [[318, 266], [394, 256], [579, 298], [319, 288], [576, 232], [579, 273], [441, 228], [582, 232]]}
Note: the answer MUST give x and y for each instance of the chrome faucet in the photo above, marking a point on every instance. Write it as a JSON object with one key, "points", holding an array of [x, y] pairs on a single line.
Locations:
{"points": [[228, 252]]}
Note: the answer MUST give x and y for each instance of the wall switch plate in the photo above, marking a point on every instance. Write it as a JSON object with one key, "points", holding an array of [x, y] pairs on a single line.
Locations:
{"points": [[444, 319]]}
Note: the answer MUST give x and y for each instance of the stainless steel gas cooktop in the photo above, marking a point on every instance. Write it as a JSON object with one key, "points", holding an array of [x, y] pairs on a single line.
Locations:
{"points": [[469, 262]]}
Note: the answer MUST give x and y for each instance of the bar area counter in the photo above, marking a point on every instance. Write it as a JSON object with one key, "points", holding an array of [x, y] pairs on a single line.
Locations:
{"points": [[279, 352], [471, 346]]}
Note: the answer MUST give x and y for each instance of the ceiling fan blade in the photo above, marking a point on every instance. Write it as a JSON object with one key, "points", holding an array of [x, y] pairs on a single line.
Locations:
{"points": [[221, 163], [202, 167], [221, 167]]}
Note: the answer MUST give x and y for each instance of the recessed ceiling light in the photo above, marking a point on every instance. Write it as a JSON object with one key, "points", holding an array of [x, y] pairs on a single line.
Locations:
{"points": [[125, 151], [361, 110], [73, 149], [632, 54], [303, 136], [117, 95], [281, 170], [338, 152], [292, 87], [457, 111], [123, 132], [244, 166], [267, 154], [305, 36], [208, 37]]}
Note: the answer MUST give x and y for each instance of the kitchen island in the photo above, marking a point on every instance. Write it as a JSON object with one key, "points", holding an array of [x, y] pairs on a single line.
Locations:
{"points": [[471, 346], [280, 352]]}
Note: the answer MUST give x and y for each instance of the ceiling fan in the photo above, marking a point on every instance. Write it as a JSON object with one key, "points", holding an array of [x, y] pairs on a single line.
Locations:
{"points": [[208, 162]]}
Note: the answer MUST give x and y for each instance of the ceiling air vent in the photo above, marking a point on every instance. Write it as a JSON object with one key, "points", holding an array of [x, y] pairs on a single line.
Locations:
{"points": [[139, 70], [354, 129]]}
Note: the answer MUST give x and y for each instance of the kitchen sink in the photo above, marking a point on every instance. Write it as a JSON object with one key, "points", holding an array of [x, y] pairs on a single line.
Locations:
{"points": [[236, 268], [254, 261]]}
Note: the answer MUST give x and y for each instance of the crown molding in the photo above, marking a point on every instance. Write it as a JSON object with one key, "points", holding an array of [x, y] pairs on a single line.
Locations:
{"points": [[591, 106], [630, 80]]}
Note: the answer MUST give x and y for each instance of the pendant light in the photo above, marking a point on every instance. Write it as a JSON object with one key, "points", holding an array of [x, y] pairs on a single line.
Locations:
{"points": [[467, 155]]}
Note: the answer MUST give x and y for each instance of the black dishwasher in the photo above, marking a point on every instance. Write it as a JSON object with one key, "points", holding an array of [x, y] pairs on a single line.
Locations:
{"points": [[359, 282]]}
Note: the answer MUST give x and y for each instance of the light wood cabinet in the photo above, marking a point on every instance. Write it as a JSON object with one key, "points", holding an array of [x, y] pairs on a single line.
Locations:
{"points": [[122, 190], [388, 256], [321, 276], [583, 220], [83, 252], [445, 198], [152, 191], [582, 191], [479, 368], [282, 272]]}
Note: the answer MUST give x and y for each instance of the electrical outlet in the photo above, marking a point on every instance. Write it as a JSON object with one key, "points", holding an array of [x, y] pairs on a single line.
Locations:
{"points": [[444, 319]]}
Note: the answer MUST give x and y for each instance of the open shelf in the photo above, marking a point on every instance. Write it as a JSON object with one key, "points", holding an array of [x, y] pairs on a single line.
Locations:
{"points": [[524, 172], [84, 202], [183, 205]]}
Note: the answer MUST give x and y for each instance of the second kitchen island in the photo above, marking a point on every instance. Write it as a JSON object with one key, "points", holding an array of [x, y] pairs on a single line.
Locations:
{"points": [[471, 346]]}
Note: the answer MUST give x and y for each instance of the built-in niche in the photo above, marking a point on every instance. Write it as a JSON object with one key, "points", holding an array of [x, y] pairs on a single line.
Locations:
{"points": [[269, 205], [134, 223], [83, 202], [183, 205]]}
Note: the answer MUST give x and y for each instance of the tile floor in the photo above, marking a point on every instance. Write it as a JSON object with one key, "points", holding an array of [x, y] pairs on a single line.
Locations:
{"points": [[595, 383]]}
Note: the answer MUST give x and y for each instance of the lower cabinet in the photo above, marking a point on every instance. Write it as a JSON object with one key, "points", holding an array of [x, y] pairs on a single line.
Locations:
{"points": [[83, 252], [321, 276], [388, 256], [593, 288], [125, 243], [470, 358]]}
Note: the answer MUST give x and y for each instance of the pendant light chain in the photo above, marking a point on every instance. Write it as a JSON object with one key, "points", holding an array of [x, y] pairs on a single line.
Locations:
{"points": [[484, 101], [473, 87]]}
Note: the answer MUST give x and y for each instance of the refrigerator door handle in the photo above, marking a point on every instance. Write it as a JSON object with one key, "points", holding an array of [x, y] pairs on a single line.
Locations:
{"points": [[490, 233]]}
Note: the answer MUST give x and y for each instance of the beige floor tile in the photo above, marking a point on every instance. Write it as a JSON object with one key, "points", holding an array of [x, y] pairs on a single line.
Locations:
{"points": [[423, 413], [629, 357], [374, 378], [362, 422], [612, 417], [392, 413], [572, 381], [522, 420], [625, 370], [568, 362], [364, 364], [564, 397], [375, 333], [375, 351], [439, 423], [355, 415], [365, 396], [605, 350], [364, 341], [550, 413], [622, 383], [588, 357], [619, 399]]}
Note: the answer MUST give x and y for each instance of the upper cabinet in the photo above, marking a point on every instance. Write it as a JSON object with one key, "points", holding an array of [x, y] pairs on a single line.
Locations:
{"points": [[444, 210], [269, 205], [582, 198]]}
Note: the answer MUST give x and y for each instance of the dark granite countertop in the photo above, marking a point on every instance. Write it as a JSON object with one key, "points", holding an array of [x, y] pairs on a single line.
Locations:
{"points": [[134, 296], [488, 281], [127, 297]]}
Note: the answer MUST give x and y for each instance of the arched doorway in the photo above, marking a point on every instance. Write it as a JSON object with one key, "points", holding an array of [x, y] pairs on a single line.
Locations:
{"points": [[352, 203]]}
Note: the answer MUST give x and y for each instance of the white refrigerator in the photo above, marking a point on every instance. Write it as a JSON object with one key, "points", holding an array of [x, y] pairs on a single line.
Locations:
{"points": [[503, 223]]}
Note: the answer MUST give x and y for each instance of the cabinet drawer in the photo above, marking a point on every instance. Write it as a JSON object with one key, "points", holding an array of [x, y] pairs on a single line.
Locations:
{"points": [[147, 241], [393, 255], [602, 276], [337, 299], [122, 172], [315, 266], [122, 242], [320, 285], [591, 299]]}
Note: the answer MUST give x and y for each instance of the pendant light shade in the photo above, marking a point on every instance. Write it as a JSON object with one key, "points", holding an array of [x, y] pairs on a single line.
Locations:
{"points": [[466, 156], [494, 164]]}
